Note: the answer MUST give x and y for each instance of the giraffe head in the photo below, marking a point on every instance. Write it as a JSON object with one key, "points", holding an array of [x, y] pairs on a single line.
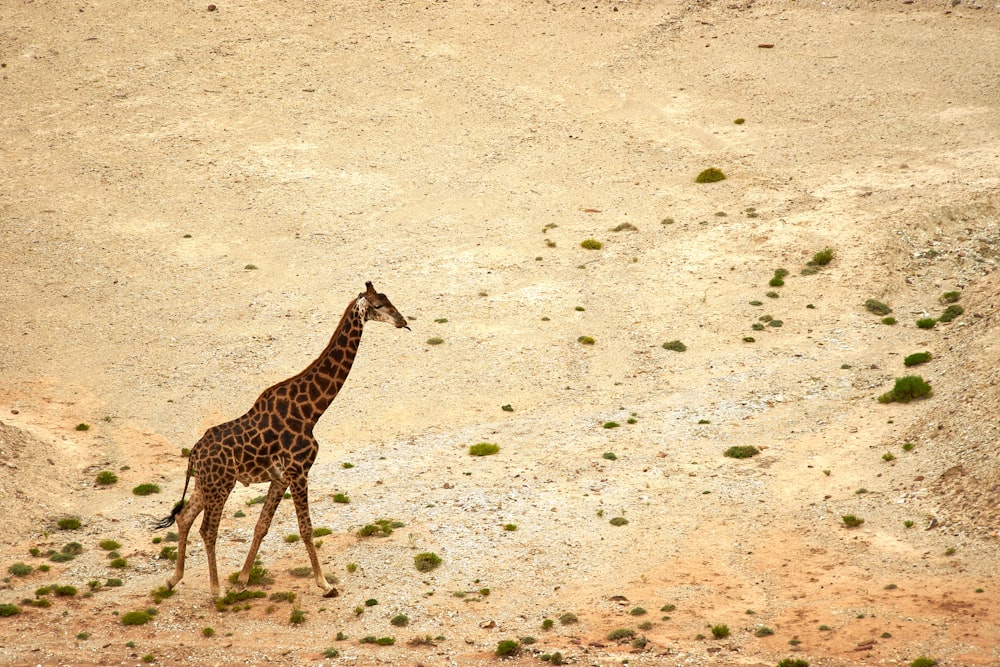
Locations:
{"points": [[376, 306]]}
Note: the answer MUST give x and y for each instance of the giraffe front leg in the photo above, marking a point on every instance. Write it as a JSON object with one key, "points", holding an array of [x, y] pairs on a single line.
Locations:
{"points": [[274, 494], [300, 495]]}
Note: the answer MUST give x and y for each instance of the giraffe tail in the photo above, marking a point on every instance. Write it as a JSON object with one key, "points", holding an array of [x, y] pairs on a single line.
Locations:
{"points": [[169, 520]]}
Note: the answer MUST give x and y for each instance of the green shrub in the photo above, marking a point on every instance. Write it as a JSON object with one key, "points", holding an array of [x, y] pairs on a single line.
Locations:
{"points": [[72, 549], [483, 449], [507, 648], [106, 478], [620, 634], [926, 323], [9, 610], [923, 661], [822, 258], [906, 389], [400, 620], [763, 631], [135, 618], [569, 618], [380, 528], [950, 297], [427, 561], [916, 358], [720, 631], [950, 313], [510, 527], [83, 427], [741, 451], [68, 523], [20, 569], [638, 611], [297, 617], [342, 498], [321, 531], [611, 424], [109, 545], [889, 321], [619, 521], [876, 307], [710, 175], [739, 121], [675, 346], [852, 521], [591, 244], [282, 596], [435, 341], [146, 489], [793, 662], [610, 456], [585, 340]]}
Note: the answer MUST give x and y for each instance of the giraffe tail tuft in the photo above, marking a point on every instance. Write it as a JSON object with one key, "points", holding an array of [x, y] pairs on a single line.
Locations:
{"points": [[168, 521]]}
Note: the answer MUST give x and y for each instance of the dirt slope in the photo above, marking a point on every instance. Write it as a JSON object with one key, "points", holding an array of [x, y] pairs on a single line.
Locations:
{"points": [[190, 198]]}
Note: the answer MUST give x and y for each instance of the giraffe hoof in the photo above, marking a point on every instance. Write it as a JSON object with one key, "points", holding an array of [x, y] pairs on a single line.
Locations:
{"points": [[332, 593]]}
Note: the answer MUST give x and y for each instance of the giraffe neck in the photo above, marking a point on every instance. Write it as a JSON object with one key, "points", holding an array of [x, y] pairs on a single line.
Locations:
{"points": [[306, 396]]}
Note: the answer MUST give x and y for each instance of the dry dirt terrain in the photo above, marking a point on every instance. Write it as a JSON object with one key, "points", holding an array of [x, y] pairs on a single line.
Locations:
{"points": [[190, 195]]}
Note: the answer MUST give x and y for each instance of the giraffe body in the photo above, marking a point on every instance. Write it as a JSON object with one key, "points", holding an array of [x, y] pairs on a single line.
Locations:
{"points": [[273, 442]]}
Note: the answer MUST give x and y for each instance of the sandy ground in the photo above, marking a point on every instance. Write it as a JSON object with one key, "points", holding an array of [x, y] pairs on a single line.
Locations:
{"points": [[190, 198]]}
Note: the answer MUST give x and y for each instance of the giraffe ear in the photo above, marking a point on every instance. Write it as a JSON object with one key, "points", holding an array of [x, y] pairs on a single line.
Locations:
{"points": [[369, 290]]}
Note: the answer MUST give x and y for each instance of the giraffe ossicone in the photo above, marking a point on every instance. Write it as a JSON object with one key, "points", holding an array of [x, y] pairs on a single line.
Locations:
{"points": [[273, 442]]}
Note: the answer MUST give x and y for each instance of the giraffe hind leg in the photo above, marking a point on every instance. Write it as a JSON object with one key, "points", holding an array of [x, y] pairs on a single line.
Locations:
{"points": [[185, 519], [210, 533]]}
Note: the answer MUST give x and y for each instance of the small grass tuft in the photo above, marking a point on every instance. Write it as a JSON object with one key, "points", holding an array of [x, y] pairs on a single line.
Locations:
{"points": [[435, 340], [822, 258], [106, 478], [876, 307], [621, 633], [675, 346], [400, 620], [906, 389], [297, 617], [720, 631], [793, 662], [926, 323], [569, 618], [591, 244], [341, 498], [507, 648], [951, 312], [484, 449], [916, 358], [741, 451], [923, 661], [585, 340], [852, 521], [619, 521], [427, 561], [950, 297], [68, 523], [763, 631], [135, 618], [146, 489], [710, 175], [20, 569]]}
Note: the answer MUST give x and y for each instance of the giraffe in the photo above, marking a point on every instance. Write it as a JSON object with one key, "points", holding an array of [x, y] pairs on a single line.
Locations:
{"points": [[273, 442]]}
